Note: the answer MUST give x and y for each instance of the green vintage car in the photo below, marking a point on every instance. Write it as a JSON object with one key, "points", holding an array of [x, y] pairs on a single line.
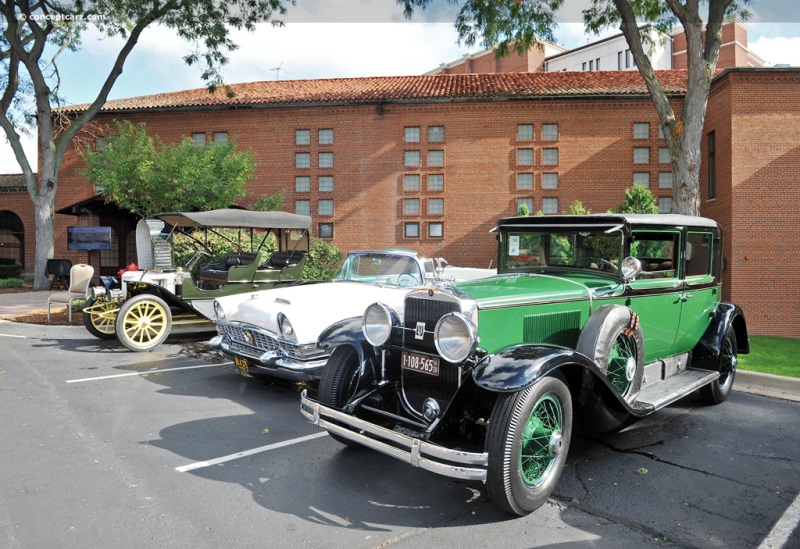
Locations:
{"points": [[594, 320]]}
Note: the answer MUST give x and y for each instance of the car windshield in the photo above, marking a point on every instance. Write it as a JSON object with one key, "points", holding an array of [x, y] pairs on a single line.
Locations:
{"points": [[585, 250], [391, 270]]}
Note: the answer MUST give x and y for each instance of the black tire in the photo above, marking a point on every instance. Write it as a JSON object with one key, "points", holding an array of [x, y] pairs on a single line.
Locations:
{"points": [[617, 349], [339, 382], [718, 390], [543, 411], [99, 326], [143, 322]]}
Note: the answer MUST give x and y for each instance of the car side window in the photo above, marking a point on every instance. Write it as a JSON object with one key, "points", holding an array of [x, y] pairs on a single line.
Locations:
{"points": [[657, 253], [699, 254]]}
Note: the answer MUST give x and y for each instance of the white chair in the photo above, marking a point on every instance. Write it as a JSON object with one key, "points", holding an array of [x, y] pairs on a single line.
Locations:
{"points": [[79, 278]]}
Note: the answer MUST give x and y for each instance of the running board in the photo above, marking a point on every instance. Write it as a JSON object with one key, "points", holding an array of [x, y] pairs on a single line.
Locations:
{"points": [[666, 392]]}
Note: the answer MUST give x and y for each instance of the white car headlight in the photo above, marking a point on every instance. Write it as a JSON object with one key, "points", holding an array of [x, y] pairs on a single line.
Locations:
{"points": [[285, 326], [377, 323], [219, 311], [455, 337]]}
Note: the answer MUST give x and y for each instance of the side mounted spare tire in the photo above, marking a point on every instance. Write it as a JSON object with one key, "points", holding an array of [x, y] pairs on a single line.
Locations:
{"points": [[613, 338]]}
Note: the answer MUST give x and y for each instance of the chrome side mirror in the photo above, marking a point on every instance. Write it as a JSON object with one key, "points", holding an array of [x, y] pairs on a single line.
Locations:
{"points": [[630, 269]]}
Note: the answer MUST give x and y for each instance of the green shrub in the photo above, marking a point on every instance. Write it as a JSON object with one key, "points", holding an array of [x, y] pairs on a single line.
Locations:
{"points": [[325, 262], [10, 271], [11, 283]]}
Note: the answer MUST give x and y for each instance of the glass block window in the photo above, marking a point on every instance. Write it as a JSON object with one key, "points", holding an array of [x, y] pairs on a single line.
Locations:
{"points": [[435, 206], [325, 230], [641, 130], [524, 132], [526, 202], [525, 157], [436, 158], [665, 205], [221, 137], [436, 182], [411, 158], [435, 134], [326, 160], [641, 155], [411, 230], [436, 230], [326, 183], [642, 179], [664, 157], [326, 136], [198, 139], [549, 157], [412, 134], [549, 180], [411, 206], [550, 205], [549, 132], [524, 181], [302, 160], [302, 207], [411, 182], [302, 137], [665, 180], [302, 184], [326, 207]]}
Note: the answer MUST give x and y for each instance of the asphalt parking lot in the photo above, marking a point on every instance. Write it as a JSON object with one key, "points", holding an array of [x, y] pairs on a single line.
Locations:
{"points": [[102, 447]]}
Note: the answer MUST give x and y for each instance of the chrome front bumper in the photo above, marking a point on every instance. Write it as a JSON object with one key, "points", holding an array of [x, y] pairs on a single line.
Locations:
{"points": [[425, 455], [273, 363]]}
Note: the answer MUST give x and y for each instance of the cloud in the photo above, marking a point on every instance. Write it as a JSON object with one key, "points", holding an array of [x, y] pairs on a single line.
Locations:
{"points": [[8, 162], [779, 50]]}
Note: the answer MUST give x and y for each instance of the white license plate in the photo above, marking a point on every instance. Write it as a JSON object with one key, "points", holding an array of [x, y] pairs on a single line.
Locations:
{"points": [[421, 363]]}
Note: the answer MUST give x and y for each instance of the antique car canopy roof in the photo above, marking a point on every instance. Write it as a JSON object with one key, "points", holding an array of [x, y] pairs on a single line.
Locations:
{"points": [[607, 220], [230, 218]]}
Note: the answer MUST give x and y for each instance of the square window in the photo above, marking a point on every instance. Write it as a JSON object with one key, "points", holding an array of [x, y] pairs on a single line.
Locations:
{"points": [[525, 157], [550, 205], [549, 157], [411, 206], [302, 160], [302, 184], [412, 134], [641, 155], [302, 137], [665, 180], [326, 183], [435, 134], [524, 181], [436, 230], [642, 179], [436, 182], [326, 136], [325, 230], [435, 206], [664, 157], [665, 205], [549, 180], [411, 230], [549, 132], [641, 130], [326, 207], [436, 158], [411, 158], [524, 132], [198, 139], [326, 160], [527, 202], [221, 137], [411, 182], [302, 207]]}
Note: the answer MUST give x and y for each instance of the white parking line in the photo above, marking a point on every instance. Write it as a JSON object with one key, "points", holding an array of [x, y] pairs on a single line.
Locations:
{"points": [[780, 533], [14, 336], [148, 372], [217, 461]]}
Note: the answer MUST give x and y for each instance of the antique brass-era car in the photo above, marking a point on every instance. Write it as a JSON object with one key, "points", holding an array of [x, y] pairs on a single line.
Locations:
{"points": [[159, 295], [598, 319]]}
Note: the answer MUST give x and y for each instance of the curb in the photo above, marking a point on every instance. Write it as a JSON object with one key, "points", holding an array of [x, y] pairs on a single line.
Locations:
{"points": [[786, 388]]}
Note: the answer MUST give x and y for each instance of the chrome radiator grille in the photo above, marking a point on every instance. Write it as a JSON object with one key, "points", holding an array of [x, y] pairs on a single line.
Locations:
{"points": [[428, 311], [252, 342]]}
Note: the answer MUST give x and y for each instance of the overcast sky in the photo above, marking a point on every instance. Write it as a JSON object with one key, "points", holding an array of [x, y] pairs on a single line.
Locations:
{"points": [[341, 38]]}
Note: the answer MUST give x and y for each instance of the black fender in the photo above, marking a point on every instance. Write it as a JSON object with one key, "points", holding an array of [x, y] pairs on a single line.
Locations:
{"points": [[347, 332], [707, 351], [137, 288]]}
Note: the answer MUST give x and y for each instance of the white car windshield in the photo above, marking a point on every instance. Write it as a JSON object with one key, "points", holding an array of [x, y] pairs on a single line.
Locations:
{"points": [[390, 270]]}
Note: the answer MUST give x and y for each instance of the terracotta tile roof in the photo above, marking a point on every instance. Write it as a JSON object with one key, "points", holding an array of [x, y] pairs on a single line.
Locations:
{"points": [[12, 182], [406, 89]]}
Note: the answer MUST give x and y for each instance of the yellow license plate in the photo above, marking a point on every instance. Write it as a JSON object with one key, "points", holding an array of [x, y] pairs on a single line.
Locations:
{"points": [[241, 363]]}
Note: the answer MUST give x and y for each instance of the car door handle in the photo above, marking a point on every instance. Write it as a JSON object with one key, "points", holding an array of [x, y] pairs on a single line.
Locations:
{"points": [[685, 297]]}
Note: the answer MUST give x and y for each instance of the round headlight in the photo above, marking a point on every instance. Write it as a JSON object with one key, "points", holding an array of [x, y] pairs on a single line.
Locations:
{"points": [[377, 324], [219, 312], [284, 325], [455, 337]]}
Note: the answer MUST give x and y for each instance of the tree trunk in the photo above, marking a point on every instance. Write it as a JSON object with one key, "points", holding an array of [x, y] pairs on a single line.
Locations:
{"points": [[44, 213]]}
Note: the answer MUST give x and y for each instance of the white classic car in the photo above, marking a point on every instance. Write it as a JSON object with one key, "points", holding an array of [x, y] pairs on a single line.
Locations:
{"points": [[274, 334]]}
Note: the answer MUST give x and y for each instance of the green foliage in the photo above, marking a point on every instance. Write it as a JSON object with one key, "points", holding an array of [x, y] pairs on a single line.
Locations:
{"points": [[272, 203], [577, 208], [638, 200], [325, 262], [10, 271], [146, 176], [11, 283], [523, 210]]}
